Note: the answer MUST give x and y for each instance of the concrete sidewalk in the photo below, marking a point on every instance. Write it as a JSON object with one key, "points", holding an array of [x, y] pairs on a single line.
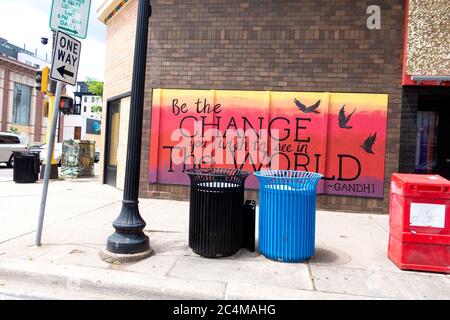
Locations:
{"points": [[350, 260]]}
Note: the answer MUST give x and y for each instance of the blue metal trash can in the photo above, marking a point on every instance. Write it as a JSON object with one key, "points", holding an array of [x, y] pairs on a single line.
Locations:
{"points": [[287, 214]]}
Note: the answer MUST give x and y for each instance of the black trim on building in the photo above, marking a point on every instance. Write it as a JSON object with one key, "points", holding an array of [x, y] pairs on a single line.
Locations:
{"points": [[415, 99], [120, 96]]}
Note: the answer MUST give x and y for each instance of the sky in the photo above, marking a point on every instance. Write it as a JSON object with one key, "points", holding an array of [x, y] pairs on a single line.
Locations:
{"points": [[26, 21]]}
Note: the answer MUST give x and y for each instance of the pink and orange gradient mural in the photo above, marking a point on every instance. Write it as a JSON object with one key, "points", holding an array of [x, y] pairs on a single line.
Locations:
{"points": [[341, 135]]}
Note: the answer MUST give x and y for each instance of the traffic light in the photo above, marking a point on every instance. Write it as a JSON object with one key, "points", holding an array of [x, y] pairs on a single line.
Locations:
{"points": [[42, 80], [51, 87], [66, 105], [39, 80], [45, 77]]}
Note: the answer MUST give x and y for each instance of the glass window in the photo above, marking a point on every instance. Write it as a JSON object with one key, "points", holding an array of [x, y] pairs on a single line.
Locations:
{"points": [[76, 109], [13, 140], [427, 139], [21, 104], [9, 140], [92, 99], [85, 99], [114, 136]]}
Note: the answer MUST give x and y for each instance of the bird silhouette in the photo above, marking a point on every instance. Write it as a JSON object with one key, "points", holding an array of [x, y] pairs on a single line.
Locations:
{"points": [[343, 120], [368, 144], [306, 109]]}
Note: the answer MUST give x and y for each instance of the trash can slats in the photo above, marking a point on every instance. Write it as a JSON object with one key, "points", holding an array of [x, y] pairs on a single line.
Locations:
{"points": [[26, 167], [218, 217], [287, 201]]}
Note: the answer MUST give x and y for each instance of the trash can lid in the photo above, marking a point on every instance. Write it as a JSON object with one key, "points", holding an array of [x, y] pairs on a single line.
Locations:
{"points": [[218, 175], [420, 185], [217, 172], [288, 174]]}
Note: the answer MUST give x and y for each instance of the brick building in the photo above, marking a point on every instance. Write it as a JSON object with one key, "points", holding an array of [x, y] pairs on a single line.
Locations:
{"points": [[23, 109], [20, 104], [277, 47]]}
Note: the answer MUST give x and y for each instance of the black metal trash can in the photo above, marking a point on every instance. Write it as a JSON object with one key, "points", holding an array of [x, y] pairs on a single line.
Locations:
{"points": [[219, 222], [26, 167]]}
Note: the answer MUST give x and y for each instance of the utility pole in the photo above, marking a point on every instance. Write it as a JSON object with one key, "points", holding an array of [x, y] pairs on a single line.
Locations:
{"points": [[129, 243]]}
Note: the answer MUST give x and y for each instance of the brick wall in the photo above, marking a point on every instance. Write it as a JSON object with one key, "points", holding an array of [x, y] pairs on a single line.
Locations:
{"points": [[118, 71], [119, 51], [282, 45], [408, 133]]}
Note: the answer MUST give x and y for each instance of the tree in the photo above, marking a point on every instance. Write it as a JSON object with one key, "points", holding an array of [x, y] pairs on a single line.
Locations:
{"points": [[13, 130], [95, 86], [96, 109]]}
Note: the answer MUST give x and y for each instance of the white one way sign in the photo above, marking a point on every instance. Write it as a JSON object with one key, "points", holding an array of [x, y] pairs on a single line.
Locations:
{"points": [[66, 58]]}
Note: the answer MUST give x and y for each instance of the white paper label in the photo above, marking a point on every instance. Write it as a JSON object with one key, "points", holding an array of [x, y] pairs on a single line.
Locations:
{"points": [[427, 215]]}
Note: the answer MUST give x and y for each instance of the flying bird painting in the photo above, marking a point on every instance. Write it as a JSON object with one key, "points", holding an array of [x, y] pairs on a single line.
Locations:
{"points": [[343, 119], [305, 109], [368, 144]]}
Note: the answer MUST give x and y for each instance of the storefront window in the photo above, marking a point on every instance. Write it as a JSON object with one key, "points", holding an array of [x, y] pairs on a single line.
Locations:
{"points": [[427, 140], [21, 104], [115, 122]]}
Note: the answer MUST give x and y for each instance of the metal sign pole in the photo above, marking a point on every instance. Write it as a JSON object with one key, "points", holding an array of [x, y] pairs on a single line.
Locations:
{"points": [[48, 163]]}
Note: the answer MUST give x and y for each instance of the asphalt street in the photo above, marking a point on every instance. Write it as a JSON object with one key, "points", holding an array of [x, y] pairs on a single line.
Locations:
{"points": [[6, 174]]}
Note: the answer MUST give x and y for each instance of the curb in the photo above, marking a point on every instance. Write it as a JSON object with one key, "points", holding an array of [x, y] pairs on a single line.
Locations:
{"points": [[110, 282], [94, 283]]}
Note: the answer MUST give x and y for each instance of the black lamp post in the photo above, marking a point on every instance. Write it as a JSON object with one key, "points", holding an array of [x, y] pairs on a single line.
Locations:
{"points": [[129, 238]]}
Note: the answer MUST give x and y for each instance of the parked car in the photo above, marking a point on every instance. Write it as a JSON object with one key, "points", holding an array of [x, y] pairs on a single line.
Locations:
{"points": [[9, 143], [42, 149]]}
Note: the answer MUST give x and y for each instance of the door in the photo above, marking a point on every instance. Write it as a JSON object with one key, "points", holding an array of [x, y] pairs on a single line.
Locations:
{"points": [[443, 150], [112, 142], [433, 132], [77, 133], [427, 142]]}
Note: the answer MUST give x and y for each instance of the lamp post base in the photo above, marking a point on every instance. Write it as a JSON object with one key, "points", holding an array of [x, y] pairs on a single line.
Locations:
{"points": [[115, 258], [128, 243], [129, 240]]}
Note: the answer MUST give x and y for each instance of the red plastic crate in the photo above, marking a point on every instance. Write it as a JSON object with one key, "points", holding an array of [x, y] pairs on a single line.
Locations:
{"points": [[419, 222]]}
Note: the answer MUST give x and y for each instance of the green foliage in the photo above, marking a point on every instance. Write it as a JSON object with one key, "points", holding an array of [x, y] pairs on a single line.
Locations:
{"points": [[95, 86], [14, 130], [97, 109]]}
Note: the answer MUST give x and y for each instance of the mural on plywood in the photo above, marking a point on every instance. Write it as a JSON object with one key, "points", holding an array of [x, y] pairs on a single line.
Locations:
{"points": [[341, 135]]}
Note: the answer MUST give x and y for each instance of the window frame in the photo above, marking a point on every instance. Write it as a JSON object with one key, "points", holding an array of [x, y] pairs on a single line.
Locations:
{"points": [[21, 107]]}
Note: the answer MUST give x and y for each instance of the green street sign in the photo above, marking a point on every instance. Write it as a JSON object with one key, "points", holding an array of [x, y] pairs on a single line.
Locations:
{"points": [[71, 16]]}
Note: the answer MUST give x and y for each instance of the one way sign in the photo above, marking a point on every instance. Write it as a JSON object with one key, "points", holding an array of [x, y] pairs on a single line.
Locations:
{"points": [[66, 58]]}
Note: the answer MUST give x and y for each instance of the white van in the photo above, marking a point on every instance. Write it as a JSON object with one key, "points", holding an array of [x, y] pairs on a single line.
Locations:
{"points": [[9, 143]]}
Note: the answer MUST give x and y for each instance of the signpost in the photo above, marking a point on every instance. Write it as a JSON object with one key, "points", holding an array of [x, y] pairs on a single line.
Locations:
{"points": [[71, 16], [66, 58], [48, 163]]}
